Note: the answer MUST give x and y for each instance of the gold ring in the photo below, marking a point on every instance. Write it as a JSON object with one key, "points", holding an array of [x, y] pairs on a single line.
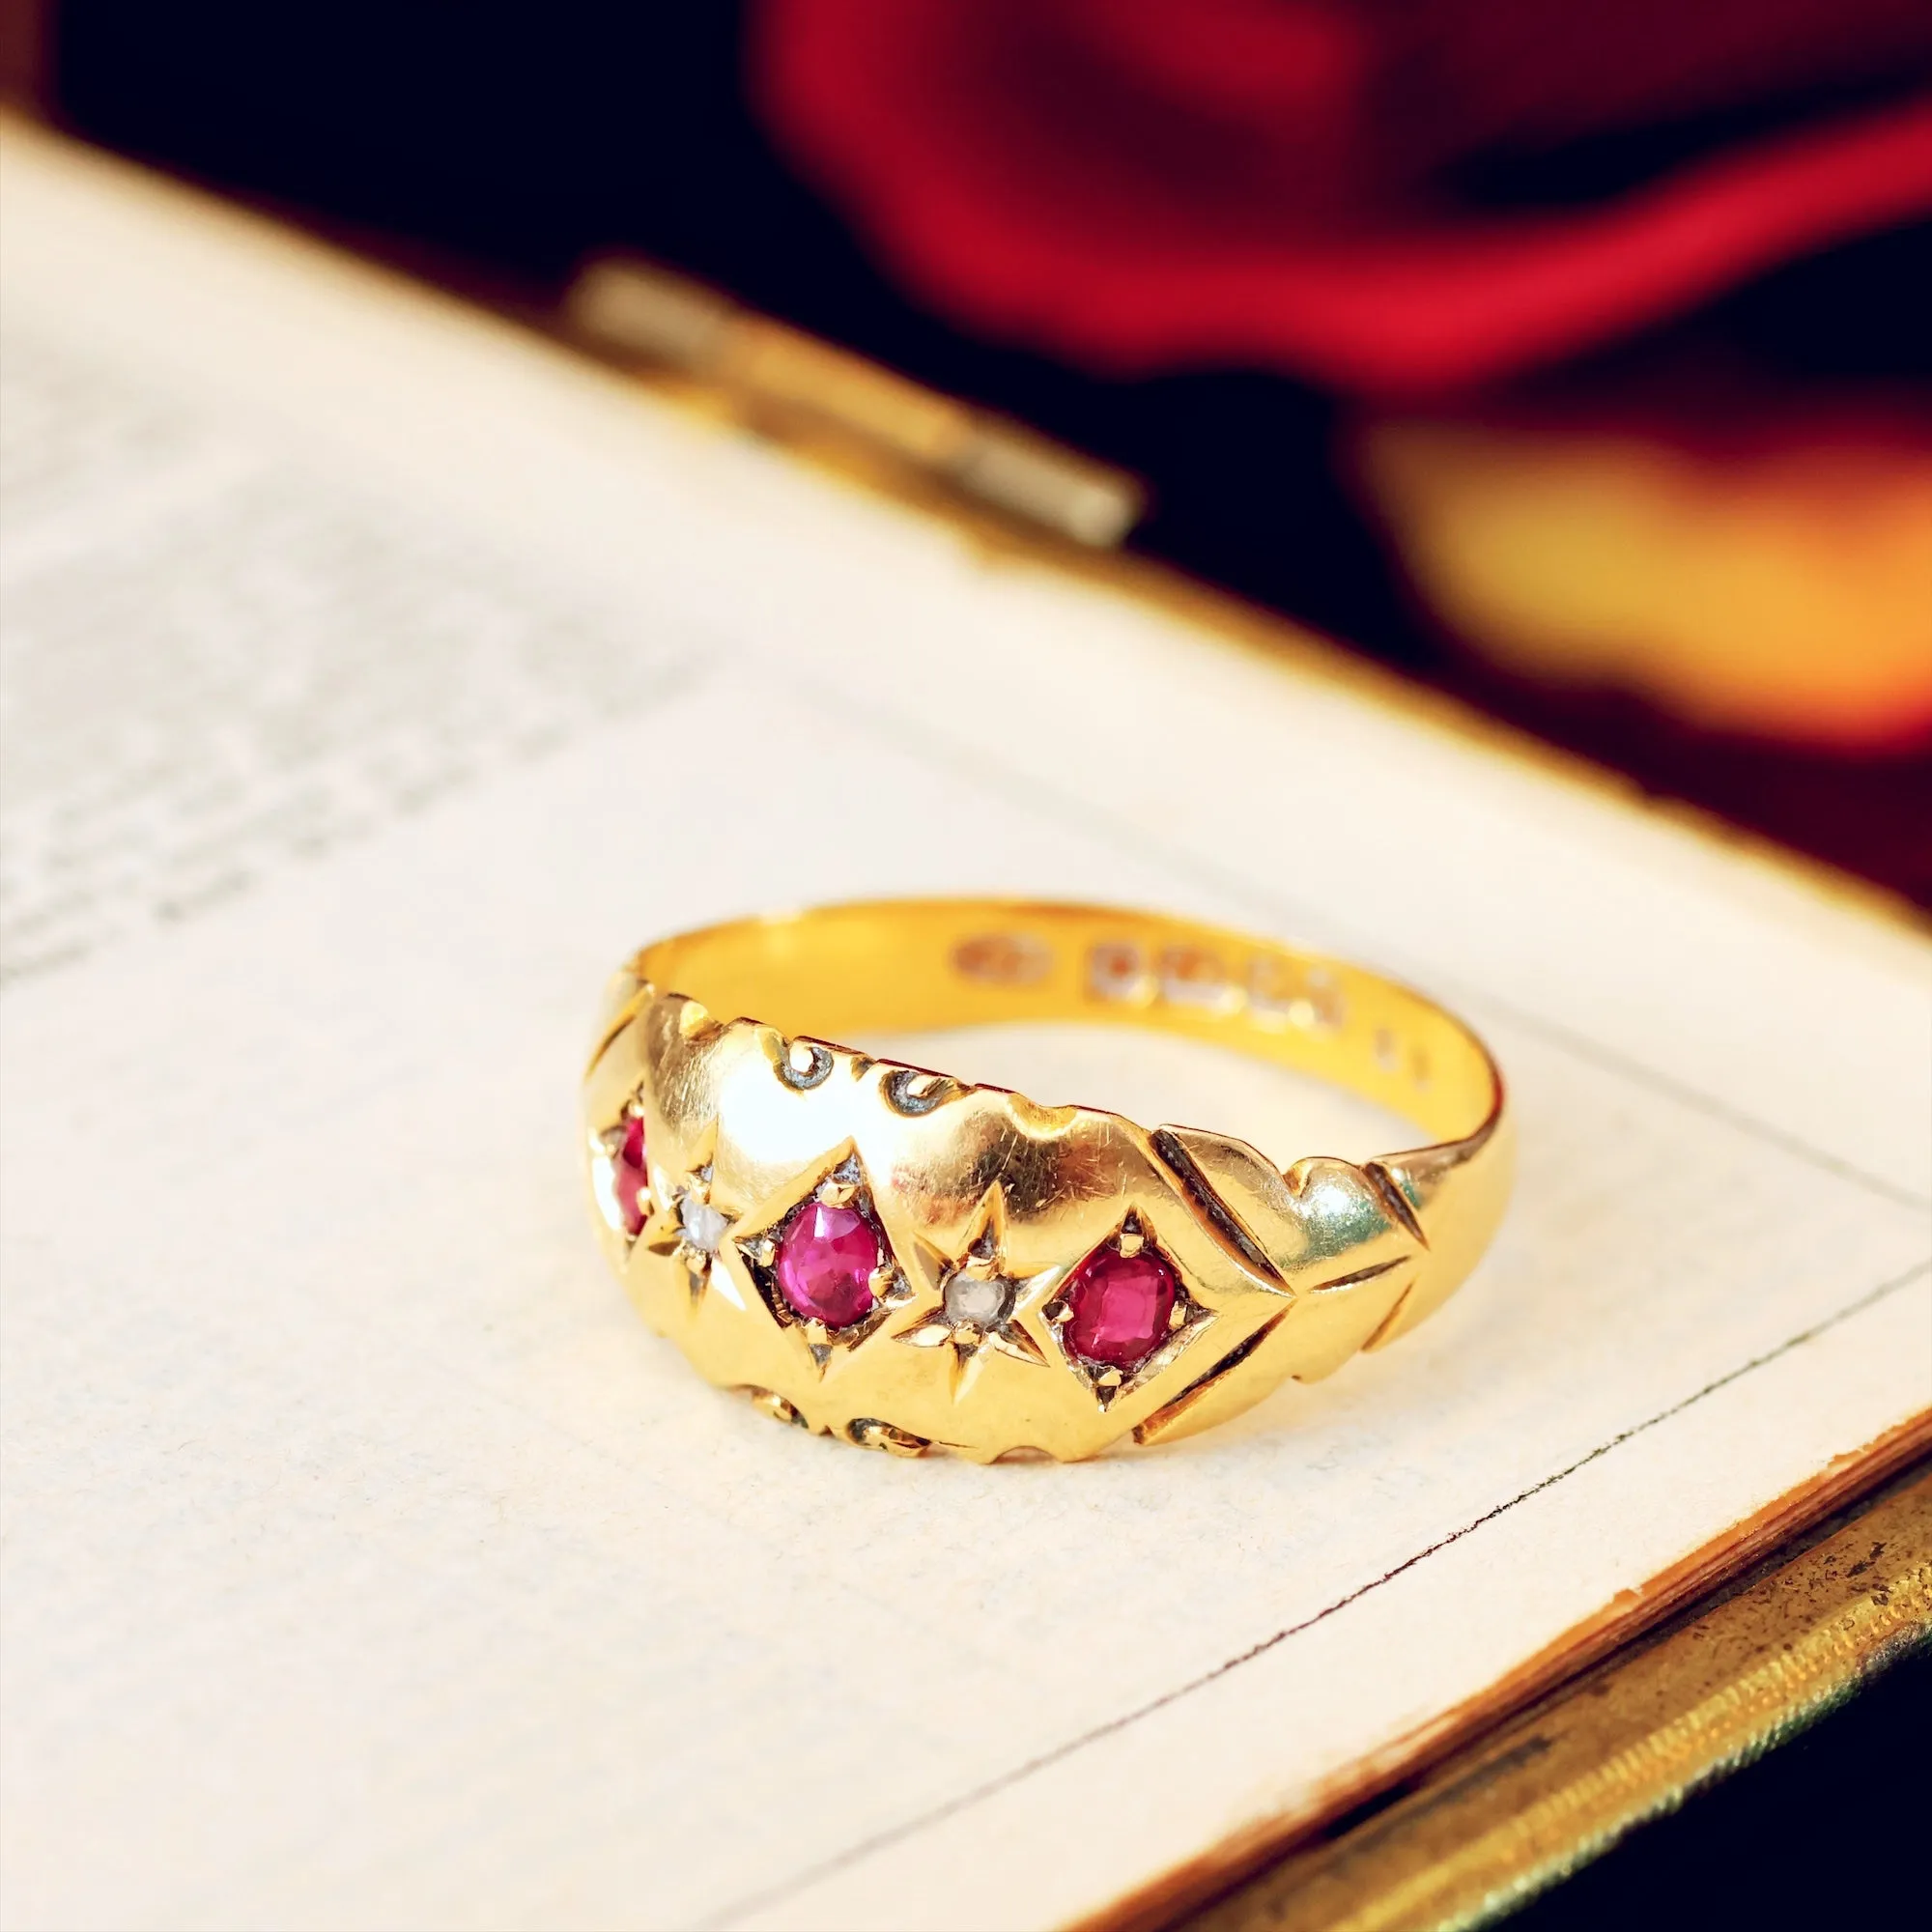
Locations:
{"points": [[911, 1263]]}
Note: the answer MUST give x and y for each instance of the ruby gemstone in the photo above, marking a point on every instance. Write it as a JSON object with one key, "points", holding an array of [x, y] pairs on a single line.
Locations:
{"points": [[825, 1262], [1121, 1305], [630, 1176]]}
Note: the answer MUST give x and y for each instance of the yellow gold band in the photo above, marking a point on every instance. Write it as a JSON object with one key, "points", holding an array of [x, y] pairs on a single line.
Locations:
{"points": [[912, 1262]]}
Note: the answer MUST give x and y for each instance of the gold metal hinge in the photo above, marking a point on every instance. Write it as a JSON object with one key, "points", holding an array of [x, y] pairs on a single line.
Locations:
{"points": [[801, 390]]}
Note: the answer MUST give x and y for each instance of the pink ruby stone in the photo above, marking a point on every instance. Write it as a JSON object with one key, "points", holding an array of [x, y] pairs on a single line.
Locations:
{"points": [[1121, 1305], [630, 1175], [825, 1263]]}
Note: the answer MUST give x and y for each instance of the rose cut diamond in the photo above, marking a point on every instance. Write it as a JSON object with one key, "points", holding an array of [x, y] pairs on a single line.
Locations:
{"points": [[976, 1299], [701, 1224]]}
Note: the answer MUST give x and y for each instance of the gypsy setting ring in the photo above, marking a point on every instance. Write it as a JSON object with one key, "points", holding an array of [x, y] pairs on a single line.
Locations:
{"points": [[914, 1263]]}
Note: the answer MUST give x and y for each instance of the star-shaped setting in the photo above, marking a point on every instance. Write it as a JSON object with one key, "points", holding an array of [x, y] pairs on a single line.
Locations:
{"points": [[621, 1173], [824, 1266], [978, 1299], [1124, 1315], [694, 1232]]}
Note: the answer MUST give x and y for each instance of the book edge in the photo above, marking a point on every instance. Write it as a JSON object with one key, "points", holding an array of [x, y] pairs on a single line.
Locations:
{"points": [[1696, 1579]]}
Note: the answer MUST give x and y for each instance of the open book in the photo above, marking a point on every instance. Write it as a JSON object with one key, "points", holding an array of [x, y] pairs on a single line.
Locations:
{"points": [[376, 676]]}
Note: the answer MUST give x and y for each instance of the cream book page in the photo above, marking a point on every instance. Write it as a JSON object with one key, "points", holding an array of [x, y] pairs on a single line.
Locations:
{"points": [[375, 678]]}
